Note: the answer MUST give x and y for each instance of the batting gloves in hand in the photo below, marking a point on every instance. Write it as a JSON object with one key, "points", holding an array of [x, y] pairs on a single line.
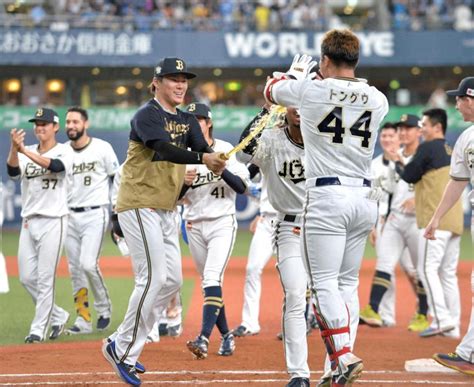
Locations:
{"points": [[254, 190], [301, 67], [375, 193]]}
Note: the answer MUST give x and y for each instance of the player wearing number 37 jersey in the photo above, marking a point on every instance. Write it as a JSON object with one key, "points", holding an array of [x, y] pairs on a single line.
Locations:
{"points": [[340, 116]]}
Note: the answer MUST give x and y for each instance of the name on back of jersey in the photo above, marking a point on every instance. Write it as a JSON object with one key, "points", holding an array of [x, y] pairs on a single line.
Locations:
{"points": [[84, 167], [205, 178], [352, 97]]}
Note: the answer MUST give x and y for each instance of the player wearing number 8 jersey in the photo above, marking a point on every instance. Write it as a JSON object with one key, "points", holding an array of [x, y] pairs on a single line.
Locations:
{"points": [[211, 226], [340, 116], [43, 170], [94, 164]]}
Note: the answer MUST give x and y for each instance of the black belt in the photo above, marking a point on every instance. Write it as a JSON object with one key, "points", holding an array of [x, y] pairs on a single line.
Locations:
{"points": [[322, 181], [83, 209], [289, 218]]}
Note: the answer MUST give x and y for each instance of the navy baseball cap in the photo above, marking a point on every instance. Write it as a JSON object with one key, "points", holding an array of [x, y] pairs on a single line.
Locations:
{"points": [[169, 66], [199, 109], [46, 115], [466, 87], [409, 120]]}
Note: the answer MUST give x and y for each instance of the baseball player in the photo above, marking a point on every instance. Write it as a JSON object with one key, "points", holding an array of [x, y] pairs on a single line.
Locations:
{"points": [[43, 169], [399, 232], [438, 259], [462, 172], [260, 252], [153, 175], [4, 287], [340, 117], [211, 234], [172, 315], [279, 153], [94, 165]]}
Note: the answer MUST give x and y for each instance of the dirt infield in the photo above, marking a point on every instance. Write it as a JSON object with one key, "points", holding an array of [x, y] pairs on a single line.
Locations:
{"points": [[258, 360]]}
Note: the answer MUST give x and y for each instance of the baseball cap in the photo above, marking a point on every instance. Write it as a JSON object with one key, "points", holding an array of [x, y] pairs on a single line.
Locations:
{"points": [[199, 109], [409, 120], [46, 115], [466, 87], [168, 66]]}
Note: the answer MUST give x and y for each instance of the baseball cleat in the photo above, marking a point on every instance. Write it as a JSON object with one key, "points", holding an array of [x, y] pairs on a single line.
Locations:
{"points": [[346, 374], [198, 347], [32, 339], [139, 367], [298, 382], [242, 331], [58, 329], [124, 371], [103, 323], [454, 361], [80, 327], [418, 323], [227, 347], [430, 332], [370, 317], [326, 379]]}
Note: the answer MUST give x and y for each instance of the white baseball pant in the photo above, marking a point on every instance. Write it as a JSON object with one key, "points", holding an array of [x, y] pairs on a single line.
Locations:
{"points": [[260, 252], [437, 266], [210, 244], [39, 251], [83, 246], [294, 280], [337, 221], [152, 238]]}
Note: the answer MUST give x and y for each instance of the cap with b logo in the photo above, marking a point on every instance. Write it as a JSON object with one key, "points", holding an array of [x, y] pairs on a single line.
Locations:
{"points": [[46, 115], [199, 109], [169, 66], [466, 87], [409, 120]]}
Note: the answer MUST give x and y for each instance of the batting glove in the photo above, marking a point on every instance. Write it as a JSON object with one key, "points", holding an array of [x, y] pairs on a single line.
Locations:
{"points": [[254, 190], [301, 67], [375, 193]]}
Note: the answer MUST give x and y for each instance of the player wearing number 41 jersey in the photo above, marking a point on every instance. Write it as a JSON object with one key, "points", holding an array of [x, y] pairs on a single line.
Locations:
{"points": [[211, 226], [43, 170], [95, 163], [340, 116]]}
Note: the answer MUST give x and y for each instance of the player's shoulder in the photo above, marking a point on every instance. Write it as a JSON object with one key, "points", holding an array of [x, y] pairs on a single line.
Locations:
{"points": [[467, 135], [100, 144]]}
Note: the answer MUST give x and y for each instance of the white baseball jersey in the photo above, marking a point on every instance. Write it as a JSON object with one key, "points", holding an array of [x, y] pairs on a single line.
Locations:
{"points": [[344, 112], [380, 177], [280, 160], [44, 192], [92, 167], [210, 197], [266, 207], [115, 186], [403, 190], [462, 159]]}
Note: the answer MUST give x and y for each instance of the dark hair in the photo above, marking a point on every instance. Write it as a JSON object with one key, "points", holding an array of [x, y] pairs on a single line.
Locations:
{"points": [[342, 47], [81, 111], [388, 125], [437, 116]]}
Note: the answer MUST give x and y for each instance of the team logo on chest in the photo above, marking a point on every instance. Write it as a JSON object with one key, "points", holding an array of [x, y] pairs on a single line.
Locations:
{"points": [[84, 167], [469, 155], [33, 170], [205, 178], [292, 170]]}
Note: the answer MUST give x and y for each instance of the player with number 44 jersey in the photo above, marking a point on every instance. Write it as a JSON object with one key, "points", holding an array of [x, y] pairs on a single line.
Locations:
{"points": [[95, 163], [340, 117]]}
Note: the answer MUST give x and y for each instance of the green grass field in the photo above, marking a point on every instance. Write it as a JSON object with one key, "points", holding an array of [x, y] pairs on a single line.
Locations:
{"points": [[17, 307], [241, 247]]}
